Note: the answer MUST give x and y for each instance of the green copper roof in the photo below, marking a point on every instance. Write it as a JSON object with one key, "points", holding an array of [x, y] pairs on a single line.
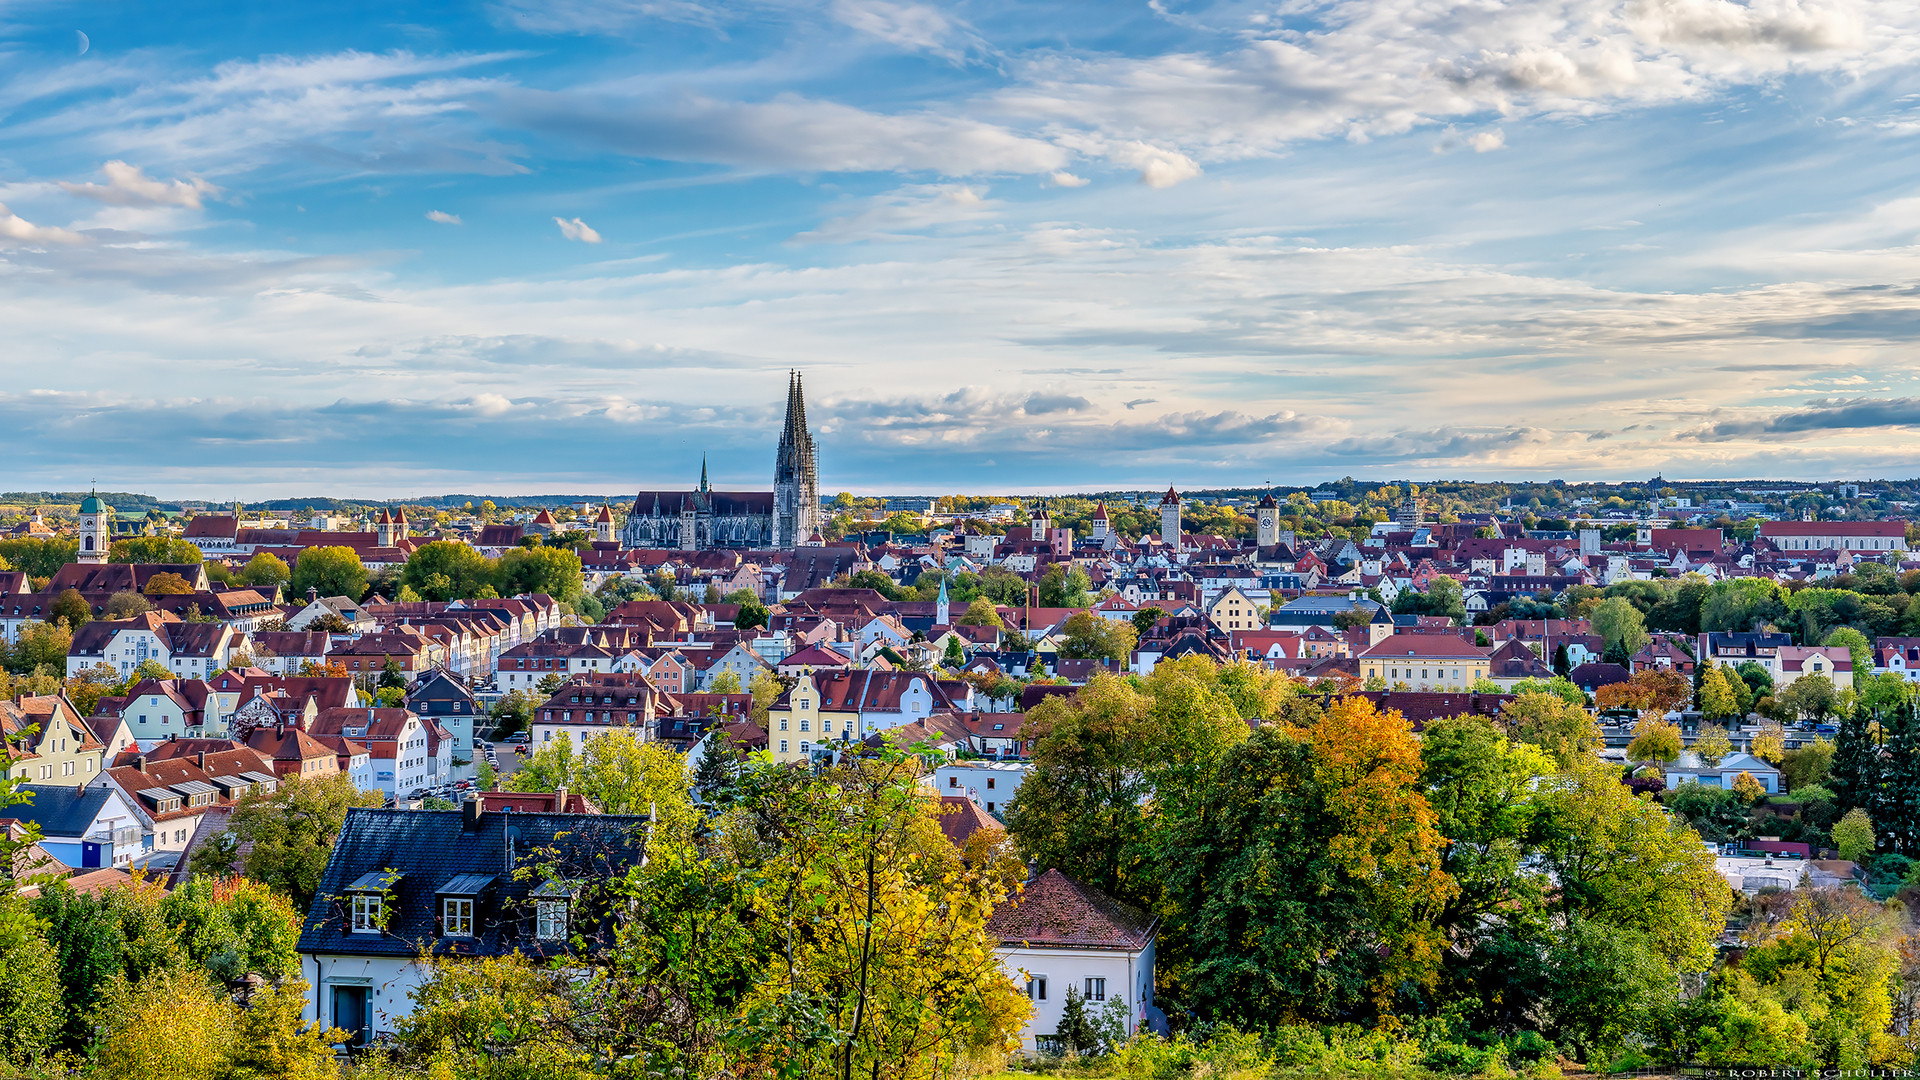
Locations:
{"points": [[93, 505]]}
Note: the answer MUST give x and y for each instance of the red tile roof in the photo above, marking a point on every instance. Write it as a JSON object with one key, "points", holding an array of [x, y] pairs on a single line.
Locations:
{"points": [[1055, 910]]}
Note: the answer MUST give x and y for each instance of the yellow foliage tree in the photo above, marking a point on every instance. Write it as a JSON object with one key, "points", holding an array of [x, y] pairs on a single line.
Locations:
{"points": [[1655, 739], [171, 1024], [1717, 699], [1748, 789], [1368, 762]]}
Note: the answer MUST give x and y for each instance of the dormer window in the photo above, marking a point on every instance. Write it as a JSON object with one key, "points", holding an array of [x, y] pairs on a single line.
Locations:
{"points": [[366, 913]]}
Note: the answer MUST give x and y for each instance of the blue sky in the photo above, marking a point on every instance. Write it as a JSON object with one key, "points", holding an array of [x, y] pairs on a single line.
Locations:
{"points": [[574, 245]]}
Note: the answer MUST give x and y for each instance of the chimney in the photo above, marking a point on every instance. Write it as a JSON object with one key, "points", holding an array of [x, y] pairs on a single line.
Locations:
{"points": [[313, 594], [470, 813], [560, 799], [139, 762], [200, 759]]}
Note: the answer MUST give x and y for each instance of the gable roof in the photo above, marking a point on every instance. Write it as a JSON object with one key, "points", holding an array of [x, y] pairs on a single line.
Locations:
{"points": [[961, 817]]}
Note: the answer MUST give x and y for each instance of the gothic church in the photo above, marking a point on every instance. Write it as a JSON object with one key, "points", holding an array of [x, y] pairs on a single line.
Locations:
{"points": [[782, 518]]}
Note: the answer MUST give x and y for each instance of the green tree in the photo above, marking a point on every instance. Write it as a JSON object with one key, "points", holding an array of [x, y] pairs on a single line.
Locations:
{"points": [[1621, 626], [752, 615], [1807, 764], [1076, 1032], [127, 605], [448, 570], [1061, 587], [553, 571], [39, 646], [39, 558], [980, 612], [71, 608], [1619, 858], [292, 830], [1146, 617], [1856, 644], [724, 683], [155, 549], [266, 571], [30, 1005], [329, 571], [1854, 836], [512, 713]]}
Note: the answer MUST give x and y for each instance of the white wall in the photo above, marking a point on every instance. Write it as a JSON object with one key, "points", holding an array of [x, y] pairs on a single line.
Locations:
{"points": [[1129, 976]]}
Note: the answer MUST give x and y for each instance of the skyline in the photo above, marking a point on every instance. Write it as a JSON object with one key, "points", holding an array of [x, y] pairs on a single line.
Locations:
{"points": [[532, 248]]}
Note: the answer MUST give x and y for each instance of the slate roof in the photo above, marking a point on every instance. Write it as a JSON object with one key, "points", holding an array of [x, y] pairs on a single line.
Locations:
{"points": [[1055, 911], [430, 848], [61, 810]]}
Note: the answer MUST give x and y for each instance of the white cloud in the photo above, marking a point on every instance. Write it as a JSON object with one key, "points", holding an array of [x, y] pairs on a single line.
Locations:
{"points": [[445, 218], [1159, 168], [1068, 180], [788, 132], [912, 209], [1487, 141], [14, 227], [127, 185], [919, 27], [575, 229]]}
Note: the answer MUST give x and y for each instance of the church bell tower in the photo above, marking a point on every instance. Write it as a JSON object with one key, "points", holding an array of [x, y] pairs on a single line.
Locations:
{"points": [[796, 478]]}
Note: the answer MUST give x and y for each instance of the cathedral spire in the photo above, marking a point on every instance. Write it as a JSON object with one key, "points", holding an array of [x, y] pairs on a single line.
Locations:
{"points": [[796, 484], [703, 472]]}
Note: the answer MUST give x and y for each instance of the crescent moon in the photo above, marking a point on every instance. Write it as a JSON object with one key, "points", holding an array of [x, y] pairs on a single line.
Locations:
{"points": [[84, 42]]}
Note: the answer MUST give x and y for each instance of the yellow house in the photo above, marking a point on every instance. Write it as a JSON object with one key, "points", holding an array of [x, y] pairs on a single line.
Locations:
{"points": [[846, 706], [1425, 661], [48, 743], [1232, 610]]}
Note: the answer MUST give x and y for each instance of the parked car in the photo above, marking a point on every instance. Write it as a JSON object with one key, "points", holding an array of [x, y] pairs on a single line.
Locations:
{"points": [[519, 737]]}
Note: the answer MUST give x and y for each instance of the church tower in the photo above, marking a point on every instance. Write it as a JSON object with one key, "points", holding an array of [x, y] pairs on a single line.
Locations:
{"points": [[1267, 521], [96, 529], [1170, 519], [603, 525], [796, 479]]}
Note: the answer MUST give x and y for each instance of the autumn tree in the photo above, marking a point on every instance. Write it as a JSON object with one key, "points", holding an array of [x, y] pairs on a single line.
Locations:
{"points": [[155, 549], [71, 608], [1717, 698], [1563, 729], [1712, 744], [1655, 740], [168, 583], [266, 571], [1091, 637]]}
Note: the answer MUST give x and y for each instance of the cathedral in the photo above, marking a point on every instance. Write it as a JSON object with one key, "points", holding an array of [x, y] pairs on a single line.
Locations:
{"points": [[702, 518]]}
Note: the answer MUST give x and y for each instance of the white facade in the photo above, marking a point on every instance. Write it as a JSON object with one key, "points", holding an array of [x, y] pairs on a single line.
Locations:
{"points": [[990, 784], [1125, 976], [338, 985]]}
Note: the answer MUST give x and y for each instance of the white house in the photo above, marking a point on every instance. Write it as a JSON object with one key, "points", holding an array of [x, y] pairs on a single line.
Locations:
{"points": [[456, 883], [190, 650], [1059, 933], [990, 784], [1691, 770]]}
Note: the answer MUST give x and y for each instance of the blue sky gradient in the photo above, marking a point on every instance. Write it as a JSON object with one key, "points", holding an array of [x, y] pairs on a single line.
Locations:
{"points": [[536, 246]]}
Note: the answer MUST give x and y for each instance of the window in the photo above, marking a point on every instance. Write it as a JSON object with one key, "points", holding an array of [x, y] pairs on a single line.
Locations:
{"points": [[550, 920], [953, 781], [456, 917], [1096, 989], [783, 724], [804, 748], [1037, 988], [989, 783], [806, 725], [783, 746], [366, 913]]}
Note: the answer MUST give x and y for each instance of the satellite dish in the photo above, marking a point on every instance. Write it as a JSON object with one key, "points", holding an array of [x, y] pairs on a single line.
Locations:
{"points": [[81, 39]]}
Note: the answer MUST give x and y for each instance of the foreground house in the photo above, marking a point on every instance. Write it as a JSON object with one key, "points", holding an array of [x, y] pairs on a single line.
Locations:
{"points": [[1059, 933], [450, 883]]}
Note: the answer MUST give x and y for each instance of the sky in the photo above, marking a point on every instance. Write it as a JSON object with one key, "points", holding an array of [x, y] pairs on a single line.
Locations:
{"points": [[514, 246]]}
